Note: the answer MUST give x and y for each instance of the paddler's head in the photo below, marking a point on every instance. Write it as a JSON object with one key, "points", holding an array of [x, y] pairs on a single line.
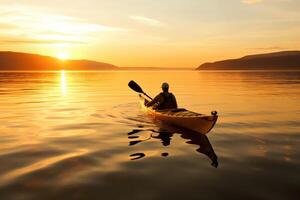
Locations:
{"points": [[165, 87]]}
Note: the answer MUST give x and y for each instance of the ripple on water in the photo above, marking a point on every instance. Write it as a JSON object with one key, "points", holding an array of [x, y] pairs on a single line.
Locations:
{"points": [[77, 126]]}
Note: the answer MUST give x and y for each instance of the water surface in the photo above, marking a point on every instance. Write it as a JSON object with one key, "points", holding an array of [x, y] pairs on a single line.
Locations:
{"points": [[81, 135]]}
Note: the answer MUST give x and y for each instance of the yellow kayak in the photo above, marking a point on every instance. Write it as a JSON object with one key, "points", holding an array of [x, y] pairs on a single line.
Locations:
{"points": [[183, 118]]}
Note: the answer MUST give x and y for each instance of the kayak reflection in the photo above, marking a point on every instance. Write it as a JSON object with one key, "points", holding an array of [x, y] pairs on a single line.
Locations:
{"points": [[165, 136]]}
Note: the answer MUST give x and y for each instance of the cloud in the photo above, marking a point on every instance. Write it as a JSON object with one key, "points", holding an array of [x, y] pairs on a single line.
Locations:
{"points": [[4, 26], [146, 20], [252, 1], [16, 41], [21, 24]]}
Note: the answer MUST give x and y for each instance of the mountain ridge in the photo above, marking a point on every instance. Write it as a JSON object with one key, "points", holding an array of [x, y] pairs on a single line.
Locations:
{"points": [[19, 61], [10, 60], [275, 60]]}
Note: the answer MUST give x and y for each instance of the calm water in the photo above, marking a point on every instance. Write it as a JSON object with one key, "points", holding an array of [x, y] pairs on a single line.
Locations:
{"points": [[76, 135]]}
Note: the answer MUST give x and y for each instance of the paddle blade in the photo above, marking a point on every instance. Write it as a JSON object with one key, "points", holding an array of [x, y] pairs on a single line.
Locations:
{"points": [[134, 86]]}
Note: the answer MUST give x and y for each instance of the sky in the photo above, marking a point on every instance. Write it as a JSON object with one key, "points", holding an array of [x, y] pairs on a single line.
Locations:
{"points": [[149, 33]]}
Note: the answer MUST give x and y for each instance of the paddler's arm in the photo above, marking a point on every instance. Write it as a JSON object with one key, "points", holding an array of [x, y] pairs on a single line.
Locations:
{"points": [[157, 99]]}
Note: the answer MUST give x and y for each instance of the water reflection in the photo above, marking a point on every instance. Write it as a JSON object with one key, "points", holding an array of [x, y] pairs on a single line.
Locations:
{"points": [[73, 146], [63, 83], [165, 135], [136, 156]]}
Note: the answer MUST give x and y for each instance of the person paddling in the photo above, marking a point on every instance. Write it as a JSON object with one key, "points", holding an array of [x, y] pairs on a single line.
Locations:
{"points": [[164, 100]]}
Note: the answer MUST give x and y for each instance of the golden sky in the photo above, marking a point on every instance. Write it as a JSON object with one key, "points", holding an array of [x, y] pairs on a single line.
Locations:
{"points": [[149, 33]]}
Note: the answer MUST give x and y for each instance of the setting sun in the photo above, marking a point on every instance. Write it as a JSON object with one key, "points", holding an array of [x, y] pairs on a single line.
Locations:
{"points": [[63, 56]]}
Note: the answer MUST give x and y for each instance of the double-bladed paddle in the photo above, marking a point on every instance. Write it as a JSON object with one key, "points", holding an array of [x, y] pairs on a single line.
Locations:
{"points": [[135, 87]]}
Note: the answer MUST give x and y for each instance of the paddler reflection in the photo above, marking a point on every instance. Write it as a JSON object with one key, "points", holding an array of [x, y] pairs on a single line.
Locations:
{"points": [[165, 136]]}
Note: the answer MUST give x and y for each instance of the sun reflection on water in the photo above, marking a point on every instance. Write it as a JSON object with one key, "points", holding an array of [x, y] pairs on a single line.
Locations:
{"points": [[63, 83]]}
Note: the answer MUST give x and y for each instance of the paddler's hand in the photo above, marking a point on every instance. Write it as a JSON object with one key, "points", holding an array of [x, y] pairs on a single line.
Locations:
{"points": [[145, 102]]}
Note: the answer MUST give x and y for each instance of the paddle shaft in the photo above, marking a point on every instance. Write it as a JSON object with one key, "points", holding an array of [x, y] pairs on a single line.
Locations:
{"points": [[147, 96]]}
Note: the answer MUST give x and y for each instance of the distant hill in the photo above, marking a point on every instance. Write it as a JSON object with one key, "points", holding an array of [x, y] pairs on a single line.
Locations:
{"points": [[278, 60], [25, 61]]}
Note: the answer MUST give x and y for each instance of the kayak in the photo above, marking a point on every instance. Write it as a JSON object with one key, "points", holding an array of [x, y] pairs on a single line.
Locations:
{"points": [[182, 118]]}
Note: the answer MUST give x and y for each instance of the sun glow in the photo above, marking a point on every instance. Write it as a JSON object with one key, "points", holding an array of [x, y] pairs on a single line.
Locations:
{"points": [[63, 56]]}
